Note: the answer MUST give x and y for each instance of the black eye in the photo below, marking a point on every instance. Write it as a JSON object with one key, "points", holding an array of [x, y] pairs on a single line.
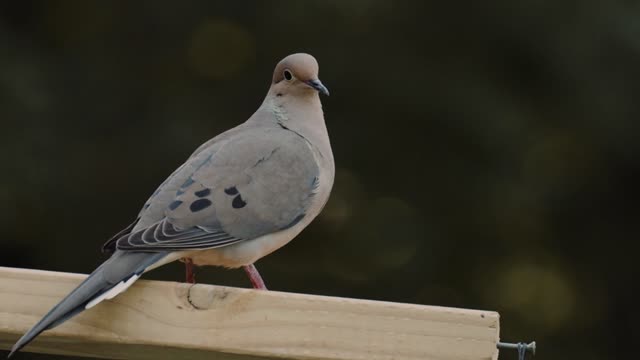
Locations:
{"points": [[287, 75]]}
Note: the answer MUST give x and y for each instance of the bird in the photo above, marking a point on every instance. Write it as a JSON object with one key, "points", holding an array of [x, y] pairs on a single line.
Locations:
{"points": [[239, 196]]}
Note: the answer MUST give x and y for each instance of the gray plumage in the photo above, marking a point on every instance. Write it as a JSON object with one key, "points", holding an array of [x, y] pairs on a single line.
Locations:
{"points": [[272, 171], [105, 277], [239, 196]]}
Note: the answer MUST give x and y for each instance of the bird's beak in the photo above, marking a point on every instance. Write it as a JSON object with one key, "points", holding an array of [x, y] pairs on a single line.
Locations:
{"points": [[316, 84]]}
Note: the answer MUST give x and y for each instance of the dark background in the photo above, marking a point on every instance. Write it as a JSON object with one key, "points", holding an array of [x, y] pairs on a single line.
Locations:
{"points": [[486, 151]]}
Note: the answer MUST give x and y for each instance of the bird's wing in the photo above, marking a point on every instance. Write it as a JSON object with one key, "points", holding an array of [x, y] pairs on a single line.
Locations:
{"points": [[257, 182]]}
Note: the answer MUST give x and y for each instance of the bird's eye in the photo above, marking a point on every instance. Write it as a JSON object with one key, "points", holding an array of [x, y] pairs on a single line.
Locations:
{"points": [[287, 75]]}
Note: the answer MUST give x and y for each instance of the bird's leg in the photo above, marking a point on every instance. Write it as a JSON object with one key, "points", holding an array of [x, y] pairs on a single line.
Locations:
{"points": [[191, 276], [254, 276]]}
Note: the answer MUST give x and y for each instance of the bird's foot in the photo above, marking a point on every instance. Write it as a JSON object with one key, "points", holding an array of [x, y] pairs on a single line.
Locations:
{"points": [[190, 275], [254, 276]]}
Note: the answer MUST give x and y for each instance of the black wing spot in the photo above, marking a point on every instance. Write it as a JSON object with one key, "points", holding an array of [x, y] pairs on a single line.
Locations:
{"points": [[238, 203], [231, 191], [174, 205], [202, 193], [200, 204]]}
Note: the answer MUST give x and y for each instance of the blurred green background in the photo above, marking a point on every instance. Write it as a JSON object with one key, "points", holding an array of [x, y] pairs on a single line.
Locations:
{"points": [[487, 152]]}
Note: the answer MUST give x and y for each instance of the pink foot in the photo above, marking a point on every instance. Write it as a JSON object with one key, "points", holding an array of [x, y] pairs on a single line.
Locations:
{"points": [[191, 276], [254, 276]]}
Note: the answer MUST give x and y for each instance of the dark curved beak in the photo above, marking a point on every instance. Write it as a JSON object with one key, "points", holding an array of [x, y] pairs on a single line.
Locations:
{"points": [[316, 84]]}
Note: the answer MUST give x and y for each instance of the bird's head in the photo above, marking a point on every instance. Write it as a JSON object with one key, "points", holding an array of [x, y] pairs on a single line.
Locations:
{"points": [[297, 74]]}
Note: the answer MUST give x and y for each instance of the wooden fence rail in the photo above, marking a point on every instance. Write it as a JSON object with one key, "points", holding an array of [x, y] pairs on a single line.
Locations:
{"points": [[166, 320]]}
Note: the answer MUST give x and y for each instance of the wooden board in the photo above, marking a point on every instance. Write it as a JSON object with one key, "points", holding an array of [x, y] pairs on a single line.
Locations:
{"points": [[166, 320]]}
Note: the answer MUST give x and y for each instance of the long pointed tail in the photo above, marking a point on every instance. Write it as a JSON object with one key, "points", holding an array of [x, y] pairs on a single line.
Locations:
{"points": [[112, 277]]}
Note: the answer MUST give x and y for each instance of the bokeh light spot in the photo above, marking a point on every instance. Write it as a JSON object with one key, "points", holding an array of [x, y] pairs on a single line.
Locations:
{"points": [[543, 296], [220, 49], [345, 197], [559, 160]]}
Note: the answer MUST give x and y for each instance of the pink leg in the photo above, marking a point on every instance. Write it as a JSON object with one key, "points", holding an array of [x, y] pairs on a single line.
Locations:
{"points": [[254, 276], [191, 277]]}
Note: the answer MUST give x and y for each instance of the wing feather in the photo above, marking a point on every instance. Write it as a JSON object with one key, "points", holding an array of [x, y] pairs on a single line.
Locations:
{"points": [[254, 184]]}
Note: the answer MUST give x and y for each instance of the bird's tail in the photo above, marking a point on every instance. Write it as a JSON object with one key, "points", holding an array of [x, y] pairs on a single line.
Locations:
{"points": [[112, 277]]}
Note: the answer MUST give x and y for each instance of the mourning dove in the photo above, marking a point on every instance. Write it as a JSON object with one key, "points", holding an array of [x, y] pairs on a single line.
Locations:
{"points": [[239, 196]]}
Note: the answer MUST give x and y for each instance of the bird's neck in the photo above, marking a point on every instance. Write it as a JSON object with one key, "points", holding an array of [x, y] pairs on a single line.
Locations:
{"points": [[302, 115]]}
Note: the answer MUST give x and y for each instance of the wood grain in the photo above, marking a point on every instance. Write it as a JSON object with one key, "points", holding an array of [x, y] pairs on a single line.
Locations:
{"points": [[165, 320]]}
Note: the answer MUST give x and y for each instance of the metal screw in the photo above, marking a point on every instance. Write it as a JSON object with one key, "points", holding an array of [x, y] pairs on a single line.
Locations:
{"points": [[522, 348]]}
